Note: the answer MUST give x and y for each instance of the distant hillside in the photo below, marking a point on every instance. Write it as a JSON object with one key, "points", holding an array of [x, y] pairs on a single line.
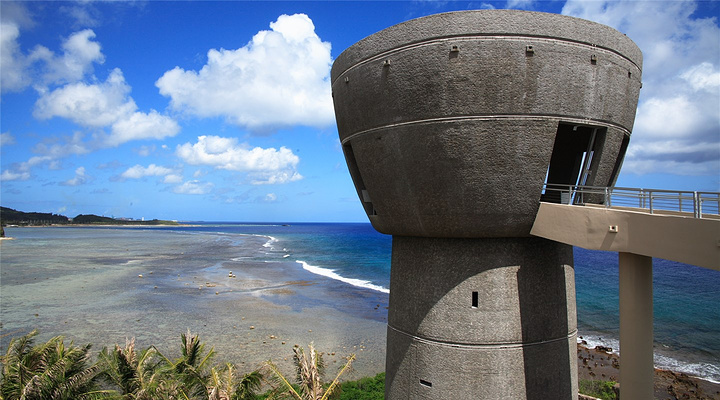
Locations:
{"points": [[8, 216]]}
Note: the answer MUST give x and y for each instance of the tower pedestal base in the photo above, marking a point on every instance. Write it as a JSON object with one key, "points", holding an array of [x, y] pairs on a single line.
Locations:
{"points": [[481, 318]]}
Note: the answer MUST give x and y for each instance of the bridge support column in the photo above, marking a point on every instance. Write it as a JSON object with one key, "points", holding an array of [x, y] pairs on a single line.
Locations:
{"points": [[636, 327]]}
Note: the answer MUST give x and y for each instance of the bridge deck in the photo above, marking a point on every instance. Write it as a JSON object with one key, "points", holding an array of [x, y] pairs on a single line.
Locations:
{"points": [[670, 236]]}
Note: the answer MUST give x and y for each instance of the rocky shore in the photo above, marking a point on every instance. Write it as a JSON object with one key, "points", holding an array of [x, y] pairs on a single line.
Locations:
{"points": [[600, 363]]}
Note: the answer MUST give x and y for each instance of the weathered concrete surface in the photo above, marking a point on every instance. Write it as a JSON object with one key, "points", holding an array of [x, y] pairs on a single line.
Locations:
{"points": [[441, 139], [484, 316], [450, 124]]}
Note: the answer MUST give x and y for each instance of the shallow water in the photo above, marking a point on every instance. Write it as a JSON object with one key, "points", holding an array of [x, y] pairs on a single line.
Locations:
{"points": [[305, 282], [85, 284]]}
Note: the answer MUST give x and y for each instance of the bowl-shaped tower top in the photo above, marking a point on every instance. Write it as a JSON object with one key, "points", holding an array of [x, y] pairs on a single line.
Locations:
{"points": [[452, 123]]}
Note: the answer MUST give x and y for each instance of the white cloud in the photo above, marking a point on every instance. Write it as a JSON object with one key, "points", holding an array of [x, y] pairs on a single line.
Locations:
{"points": [[173, 178], [271, 178], [80, 51], [139, 126], [59, 148], [105, 104], [669, 117], [6, 138], [281, 78], [93, 105], [678, 117], [21, 171], [703, 76], [193, 187], [9, 175], [13, 74], [79, 179], [138, 171], [264, 165]]}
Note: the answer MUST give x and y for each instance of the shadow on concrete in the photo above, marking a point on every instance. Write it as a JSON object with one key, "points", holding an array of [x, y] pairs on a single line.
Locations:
{"points": [[434, 285]]}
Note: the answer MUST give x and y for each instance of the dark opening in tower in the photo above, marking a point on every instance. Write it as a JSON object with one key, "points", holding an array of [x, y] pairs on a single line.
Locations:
{"points": [[573, 162], [357, 179]]}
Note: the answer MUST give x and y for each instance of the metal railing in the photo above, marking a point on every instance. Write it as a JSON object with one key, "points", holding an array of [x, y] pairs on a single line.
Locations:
{"points": [[699, 204]]}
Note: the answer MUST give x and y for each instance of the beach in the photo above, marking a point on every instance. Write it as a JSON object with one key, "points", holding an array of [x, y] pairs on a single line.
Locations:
{"points": [[253, 292], [125, 287]]}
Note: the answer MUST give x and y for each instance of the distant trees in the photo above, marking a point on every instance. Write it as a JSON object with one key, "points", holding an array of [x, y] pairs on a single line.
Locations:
{"points": [[8, 216]]}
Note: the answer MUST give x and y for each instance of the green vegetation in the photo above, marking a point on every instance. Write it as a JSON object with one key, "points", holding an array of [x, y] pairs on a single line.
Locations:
{"points": [[600, 389], [364, 389], [310, 369], [58, 371], [48, 371], [8, 216]]}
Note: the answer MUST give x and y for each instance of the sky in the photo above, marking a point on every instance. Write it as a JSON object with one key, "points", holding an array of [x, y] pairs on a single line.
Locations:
{"points": [[222, 111]]}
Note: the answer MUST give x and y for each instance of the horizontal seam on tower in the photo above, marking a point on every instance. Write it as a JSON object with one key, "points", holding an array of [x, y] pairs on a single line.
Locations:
{"points": [[508, 345], [582, 121], [435, 40]]}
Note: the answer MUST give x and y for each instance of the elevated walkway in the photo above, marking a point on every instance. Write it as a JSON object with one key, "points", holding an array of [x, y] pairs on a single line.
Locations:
{"points": [[678, 226], [673, 237]]}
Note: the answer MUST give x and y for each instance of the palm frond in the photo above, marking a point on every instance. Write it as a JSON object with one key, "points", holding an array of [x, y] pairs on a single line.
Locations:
{"points": [[334, 385], [290, 389]]}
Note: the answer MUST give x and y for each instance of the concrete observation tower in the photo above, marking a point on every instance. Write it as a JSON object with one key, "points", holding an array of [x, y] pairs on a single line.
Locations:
{"points": [[451, 124]]}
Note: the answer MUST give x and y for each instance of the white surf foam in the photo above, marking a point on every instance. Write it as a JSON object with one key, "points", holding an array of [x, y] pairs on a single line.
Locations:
{"points": [[702, 370], [329, 273]]}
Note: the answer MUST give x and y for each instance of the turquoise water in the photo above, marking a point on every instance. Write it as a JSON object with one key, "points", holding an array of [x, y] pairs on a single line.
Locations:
{"points": [[352, 259]]}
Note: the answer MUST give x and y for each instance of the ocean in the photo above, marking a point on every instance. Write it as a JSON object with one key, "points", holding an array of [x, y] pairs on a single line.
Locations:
{"points": [[82, 282]]}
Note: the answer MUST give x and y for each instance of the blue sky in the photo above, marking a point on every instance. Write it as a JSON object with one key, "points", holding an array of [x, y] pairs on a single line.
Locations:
{"points": [[221, 111]]}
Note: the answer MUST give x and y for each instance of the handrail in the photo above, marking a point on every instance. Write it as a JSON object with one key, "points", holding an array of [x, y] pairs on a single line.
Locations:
{"points": [[698, 203]]}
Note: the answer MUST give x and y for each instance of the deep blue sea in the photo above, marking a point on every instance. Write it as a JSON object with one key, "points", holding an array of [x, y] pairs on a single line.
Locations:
{"points": [[686, 298]]}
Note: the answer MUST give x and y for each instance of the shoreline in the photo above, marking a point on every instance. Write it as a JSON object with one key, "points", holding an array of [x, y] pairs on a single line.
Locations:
{"points": [[103, 226], [185, 284], [597, 364]]}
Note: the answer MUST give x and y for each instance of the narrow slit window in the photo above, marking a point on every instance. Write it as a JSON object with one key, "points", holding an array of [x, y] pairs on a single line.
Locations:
{"points": [[425, 383], [474, 299]]}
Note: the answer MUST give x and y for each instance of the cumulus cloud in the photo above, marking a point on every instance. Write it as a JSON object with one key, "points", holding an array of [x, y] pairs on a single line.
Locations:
{"points": [[80, 51], [139, 126], [280, 78], [18, 70], [93, 105], [678, 117], [193, 187], [105, 104], [263, 165], [138, 171], [79, 179]]}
